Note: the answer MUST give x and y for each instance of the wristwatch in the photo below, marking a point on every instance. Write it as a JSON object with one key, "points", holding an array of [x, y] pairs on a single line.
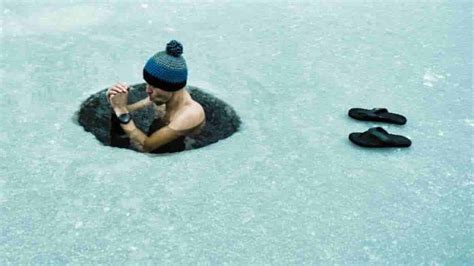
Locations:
{"points": [[124, 118]]}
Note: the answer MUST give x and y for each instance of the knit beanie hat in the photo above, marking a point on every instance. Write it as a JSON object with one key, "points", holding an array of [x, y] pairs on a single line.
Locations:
{"points": [[167, 69]]}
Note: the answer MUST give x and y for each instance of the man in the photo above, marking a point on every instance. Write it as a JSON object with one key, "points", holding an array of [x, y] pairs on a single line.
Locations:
{"points": [[179, 115]]}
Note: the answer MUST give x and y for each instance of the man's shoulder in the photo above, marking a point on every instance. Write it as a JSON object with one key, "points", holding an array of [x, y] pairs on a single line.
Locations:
{"points": [[190, 117]]}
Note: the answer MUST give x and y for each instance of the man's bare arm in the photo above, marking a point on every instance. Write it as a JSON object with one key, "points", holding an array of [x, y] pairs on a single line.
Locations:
{"points": [[139, 105], [141, 141]]}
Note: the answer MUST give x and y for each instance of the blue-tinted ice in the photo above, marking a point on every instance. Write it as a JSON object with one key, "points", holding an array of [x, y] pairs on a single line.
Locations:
{"points": [[289, 188]]}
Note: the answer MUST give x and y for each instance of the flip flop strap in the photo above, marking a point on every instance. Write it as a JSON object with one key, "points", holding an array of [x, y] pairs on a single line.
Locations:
{"points": [[375, 112], [381, 136], [379, 110]]}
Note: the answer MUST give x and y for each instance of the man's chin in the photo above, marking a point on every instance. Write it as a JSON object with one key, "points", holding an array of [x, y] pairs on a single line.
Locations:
{"points": [[157, 102]]}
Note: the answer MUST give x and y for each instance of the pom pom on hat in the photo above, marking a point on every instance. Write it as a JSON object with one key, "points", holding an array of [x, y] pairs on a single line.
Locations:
{"points": [[174, 48]]}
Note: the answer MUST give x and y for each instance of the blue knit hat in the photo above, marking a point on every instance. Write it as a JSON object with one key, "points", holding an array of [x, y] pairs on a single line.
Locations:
{"points": [[167, 69]]}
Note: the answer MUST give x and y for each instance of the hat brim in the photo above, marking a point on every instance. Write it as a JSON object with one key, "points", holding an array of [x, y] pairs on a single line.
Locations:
{"points": [[159, 83]]}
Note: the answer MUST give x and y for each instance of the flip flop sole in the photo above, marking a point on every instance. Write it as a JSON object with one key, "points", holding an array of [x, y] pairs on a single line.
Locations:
{"points": [[397, 141], [357, 139], [400, 141], [362, 114]]}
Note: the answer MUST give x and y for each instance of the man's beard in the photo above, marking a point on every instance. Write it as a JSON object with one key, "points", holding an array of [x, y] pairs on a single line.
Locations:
{"points": [[159, 101]]}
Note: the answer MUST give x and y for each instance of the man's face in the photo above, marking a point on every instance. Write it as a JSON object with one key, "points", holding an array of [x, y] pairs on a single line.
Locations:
{"points": [[158, 95]]}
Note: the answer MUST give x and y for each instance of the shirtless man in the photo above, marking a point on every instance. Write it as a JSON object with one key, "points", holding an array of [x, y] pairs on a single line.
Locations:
{"points": [[166, 76]]}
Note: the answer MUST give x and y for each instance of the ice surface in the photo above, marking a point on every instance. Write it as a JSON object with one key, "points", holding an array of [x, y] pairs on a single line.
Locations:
{"points": [[289, 188]]}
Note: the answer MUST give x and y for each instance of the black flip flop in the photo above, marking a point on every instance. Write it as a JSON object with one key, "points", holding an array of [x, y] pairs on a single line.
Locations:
{"points": [[377, 137], [377, 114]]}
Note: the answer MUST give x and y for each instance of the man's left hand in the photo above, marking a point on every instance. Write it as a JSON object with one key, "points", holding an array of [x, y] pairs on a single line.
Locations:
{"points": [[119, 100]]}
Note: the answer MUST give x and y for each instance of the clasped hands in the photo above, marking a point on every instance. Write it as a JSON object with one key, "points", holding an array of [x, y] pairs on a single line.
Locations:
{"points": [[117, 95]]}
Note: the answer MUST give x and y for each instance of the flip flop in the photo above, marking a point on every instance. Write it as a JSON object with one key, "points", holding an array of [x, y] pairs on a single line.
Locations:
{"points": [[377, 137], [377, 114]]}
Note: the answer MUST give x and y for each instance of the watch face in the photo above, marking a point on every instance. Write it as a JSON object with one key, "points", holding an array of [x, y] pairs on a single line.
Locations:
{"points": [[124, 118]]}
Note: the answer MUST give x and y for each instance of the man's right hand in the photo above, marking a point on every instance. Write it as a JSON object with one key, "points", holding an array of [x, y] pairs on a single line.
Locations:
{"points": [[119, 87]]}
